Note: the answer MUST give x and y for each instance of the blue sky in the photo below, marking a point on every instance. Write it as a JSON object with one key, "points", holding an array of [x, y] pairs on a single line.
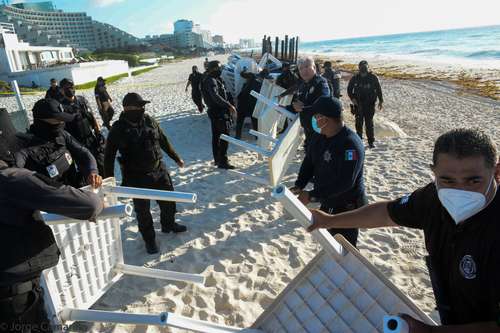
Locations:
{"points": [[311, 20]]}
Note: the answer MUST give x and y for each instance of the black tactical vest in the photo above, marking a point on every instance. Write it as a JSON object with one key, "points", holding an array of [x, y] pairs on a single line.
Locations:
{"points": [[140, 150], [81, 127], [51, 158]]}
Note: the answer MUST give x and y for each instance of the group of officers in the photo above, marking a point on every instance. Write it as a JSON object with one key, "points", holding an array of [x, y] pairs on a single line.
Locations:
{"points": [[40, 170], [458, 212]]}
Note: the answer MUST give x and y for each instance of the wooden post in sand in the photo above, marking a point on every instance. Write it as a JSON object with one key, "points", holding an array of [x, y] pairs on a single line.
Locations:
{"points": [[264, 45], [276, 43], [269, 45], [286, 47], [296, 49], [282, 50], [292, 50]]}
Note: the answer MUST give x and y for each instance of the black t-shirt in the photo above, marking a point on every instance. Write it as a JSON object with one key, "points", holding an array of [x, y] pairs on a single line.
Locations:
{"points": [[195, 79], [101, 93], [464, 259]]}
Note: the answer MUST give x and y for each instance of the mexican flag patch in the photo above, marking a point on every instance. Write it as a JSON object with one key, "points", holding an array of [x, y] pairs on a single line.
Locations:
{"points": [[351, 155]]}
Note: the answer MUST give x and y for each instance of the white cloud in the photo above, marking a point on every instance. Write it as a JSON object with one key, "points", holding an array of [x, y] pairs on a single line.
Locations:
{"points": [[329, 19], [104, 3]]}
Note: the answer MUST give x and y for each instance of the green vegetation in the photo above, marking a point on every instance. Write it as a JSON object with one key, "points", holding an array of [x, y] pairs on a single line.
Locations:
{"points": [[465, 81], [5, 90], [142, 71], [112, 79]]}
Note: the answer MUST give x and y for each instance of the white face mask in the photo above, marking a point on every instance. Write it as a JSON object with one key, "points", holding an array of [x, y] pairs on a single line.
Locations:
{"points": [[462, 204]]}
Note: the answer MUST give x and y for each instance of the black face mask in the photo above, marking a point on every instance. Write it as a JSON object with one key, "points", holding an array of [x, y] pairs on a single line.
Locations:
{"points": [[45, 130], [69, 92], [134, 116]]}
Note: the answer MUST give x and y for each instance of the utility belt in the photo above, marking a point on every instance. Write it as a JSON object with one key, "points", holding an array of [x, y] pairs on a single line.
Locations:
{"points": [[8, 292], [332, 205], [135, 169]]}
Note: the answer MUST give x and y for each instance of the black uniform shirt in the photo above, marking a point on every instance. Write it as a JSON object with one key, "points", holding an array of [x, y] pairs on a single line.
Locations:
{"points": [[195, 79], [464, 259], [83, 157], [101, 93], [365, 89], [81, 128], [54, 93], [308, 93], [336, 164], [117, 141], [215, 97], [26, 242]]}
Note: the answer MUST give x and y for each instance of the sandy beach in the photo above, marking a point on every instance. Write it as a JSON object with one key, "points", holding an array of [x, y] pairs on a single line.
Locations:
{"points": [[239, 237]]}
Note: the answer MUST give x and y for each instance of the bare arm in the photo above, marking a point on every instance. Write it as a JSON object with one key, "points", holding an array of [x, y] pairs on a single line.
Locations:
{"points": [[419, 327], [371, 216]]}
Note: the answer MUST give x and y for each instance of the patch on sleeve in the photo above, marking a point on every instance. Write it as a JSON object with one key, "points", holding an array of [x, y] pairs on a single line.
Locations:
{"points": [[351, 155], [404, 200]]}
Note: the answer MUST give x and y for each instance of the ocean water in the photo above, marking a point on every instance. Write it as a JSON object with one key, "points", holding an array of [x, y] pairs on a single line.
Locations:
{"points": [[462, 46]]}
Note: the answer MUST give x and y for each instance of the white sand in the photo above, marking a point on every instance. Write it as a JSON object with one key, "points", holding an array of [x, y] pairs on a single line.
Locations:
{"points": [[238, 236]]}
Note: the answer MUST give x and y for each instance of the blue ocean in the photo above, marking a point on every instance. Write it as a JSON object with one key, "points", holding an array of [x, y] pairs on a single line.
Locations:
{"points": [[468, 45]]}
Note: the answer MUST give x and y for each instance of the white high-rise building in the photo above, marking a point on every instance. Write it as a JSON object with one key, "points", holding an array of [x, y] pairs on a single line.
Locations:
{"points": [[42, 24]]}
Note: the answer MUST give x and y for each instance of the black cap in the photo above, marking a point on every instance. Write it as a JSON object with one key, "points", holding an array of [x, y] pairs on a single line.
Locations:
{"points": [[66, 82], [327, 64], [330, 107], [9, 143], [134, 99], [49, 108], [363, 63], [100, 78]]}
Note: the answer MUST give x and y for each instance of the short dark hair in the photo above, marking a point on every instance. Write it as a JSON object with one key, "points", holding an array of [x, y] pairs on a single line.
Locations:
{"points": [[466, 142], [53, 80]]}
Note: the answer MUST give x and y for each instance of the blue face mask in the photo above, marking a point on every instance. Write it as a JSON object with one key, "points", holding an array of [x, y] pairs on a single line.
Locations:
{"points": [[315, 126]]}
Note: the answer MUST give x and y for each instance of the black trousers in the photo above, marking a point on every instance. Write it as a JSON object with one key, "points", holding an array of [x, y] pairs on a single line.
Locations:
{"points": [[240, 119], [158, 180], [219, 147], [107, 112], [197, 99], [364, 114], [350, 234], [23, 312]]}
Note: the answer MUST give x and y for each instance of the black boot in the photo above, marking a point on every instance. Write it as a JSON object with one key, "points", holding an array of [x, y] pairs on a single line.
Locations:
{"points": [[151, 247], [175, 227]]}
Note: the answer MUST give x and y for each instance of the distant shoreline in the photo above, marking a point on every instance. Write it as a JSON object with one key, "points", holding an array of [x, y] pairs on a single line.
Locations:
{"points": [[481, 81]]}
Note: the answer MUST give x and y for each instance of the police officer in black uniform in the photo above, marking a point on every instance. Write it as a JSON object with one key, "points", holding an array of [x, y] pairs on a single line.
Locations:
{"points": [[140, 141], [26, 242], [459, 215], [333, 77], [54, 91], [246, 102], [309, 90], [103, 101], [194, 81], [335, 160], [286, 79], [219, 111], [49, 150], [84, 127], [363, 90]]}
